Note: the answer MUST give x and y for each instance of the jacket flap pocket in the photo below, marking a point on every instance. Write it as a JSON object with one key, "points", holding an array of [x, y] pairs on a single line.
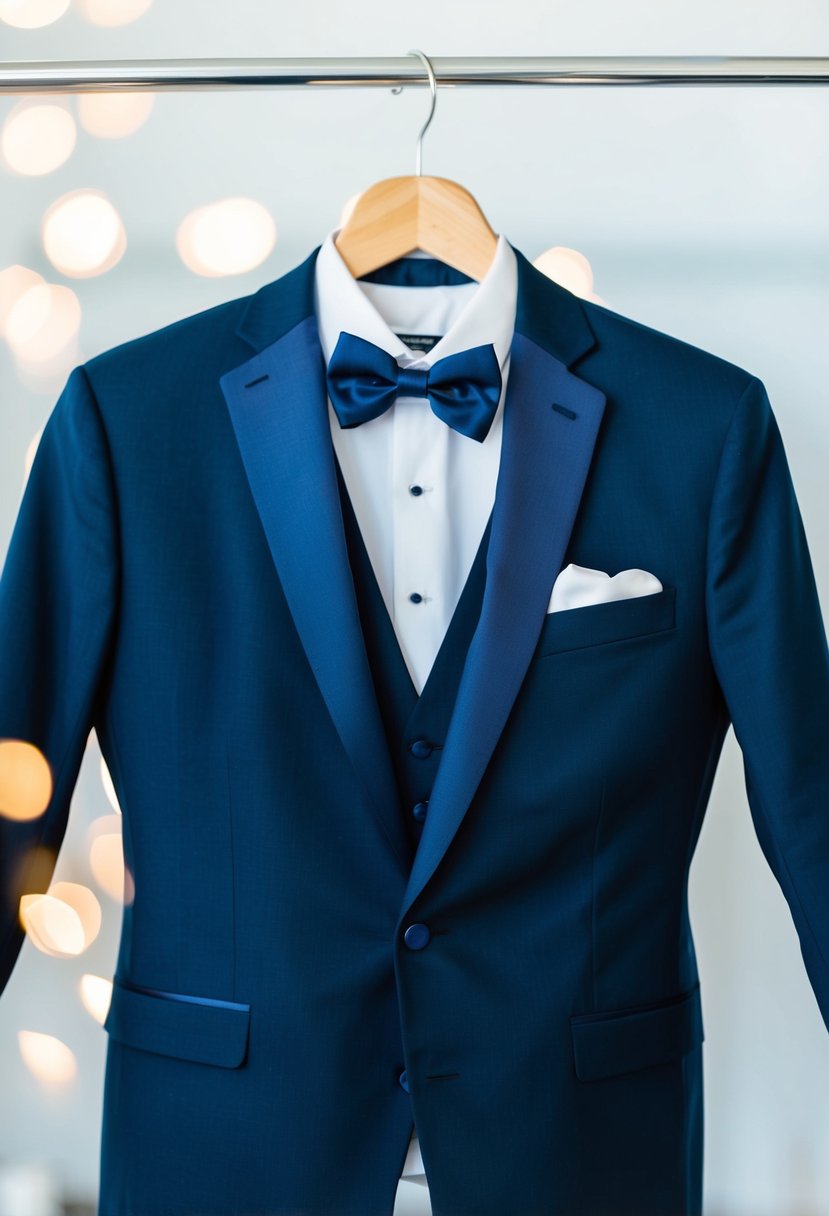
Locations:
{"points": [[617, 1041], [608, 621], [203, 1029]]}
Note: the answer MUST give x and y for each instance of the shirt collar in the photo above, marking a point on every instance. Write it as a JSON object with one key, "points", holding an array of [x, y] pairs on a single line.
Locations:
{"points": [[342, 303]]}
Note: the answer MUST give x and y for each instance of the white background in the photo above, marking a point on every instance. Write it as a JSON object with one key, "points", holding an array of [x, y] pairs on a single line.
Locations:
{"points": [[703, 213]]}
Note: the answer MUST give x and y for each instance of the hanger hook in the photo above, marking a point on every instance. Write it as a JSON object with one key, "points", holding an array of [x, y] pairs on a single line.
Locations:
{"points": [[433, 86]]}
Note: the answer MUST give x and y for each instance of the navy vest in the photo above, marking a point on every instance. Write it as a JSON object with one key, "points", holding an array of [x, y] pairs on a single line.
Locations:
{"points": [[408, 718]]}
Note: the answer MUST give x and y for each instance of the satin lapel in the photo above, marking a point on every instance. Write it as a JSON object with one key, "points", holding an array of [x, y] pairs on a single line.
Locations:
{"points": [[551, 421], [279, 412]]}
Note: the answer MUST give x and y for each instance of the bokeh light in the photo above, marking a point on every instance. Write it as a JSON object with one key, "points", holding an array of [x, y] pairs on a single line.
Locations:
{"points": [[52, 926], [85, 903], [227, 237], [83, 234], [46, 1057], [14, 280], [64, 921], [42, 321], [48, 376], [106, 858], [31, 14], [112, 12], [25, 780], [113, 115], [37, 137], [568, 268], [96, 996], [102, 825]]}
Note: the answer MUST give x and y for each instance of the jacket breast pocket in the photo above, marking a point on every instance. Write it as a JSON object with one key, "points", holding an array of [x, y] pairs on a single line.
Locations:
{"points": [[203, 1029], [610, 621], [616, 1041]]}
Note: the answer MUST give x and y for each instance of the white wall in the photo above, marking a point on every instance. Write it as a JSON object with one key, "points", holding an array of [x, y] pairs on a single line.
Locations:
{"points": [[703, 212]]}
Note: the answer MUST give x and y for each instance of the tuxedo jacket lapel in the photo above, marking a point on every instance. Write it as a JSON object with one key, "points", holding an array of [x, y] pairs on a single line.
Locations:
{"points": [[278, 407], [277, 402], [551, 420]]}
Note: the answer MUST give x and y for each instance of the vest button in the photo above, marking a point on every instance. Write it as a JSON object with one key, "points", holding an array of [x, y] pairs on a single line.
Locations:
{"points": [[404, 1080], [419, 810], [416, 936], [415, 597], [421, 748], [415, 490]]}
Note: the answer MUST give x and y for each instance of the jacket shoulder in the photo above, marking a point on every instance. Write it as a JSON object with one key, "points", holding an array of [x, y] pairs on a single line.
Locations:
{"points": [[200, 341], [676, 365]]}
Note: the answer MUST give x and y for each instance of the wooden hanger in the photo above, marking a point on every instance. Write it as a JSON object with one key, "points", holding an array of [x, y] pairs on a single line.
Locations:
{"points": [[400, 214]]}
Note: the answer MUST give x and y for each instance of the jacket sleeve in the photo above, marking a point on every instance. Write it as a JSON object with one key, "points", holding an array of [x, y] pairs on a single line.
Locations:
{"points": [[57, 610], [768, 645]]}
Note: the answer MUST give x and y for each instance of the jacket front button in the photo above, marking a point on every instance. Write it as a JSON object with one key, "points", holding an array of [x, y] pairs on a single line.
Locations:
{"points": [[404, 1080], [421, 748], [416, 936], [419, 810]]}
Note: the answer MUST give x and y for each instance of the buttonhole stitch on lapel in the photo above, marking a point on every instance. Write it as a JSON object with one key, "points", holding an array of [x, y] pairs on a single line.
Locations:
{"points": [[562, 409], [258, 380]]}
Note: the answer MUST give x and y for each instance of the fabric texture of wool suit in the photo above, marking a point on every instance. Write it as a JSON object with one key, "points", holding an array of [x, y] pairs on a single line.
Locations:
{"points": [[185, 577]]}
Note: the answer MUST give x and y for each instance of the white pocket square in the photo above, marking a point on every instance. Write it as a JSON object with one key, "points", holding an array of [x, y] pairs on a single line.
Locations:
{"points": [[580, 585]]}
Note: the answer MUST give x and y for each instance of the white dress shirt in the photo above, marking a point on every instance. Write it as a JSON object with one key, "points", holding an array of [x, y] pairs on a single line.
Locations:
{"points": [[425, 542]]}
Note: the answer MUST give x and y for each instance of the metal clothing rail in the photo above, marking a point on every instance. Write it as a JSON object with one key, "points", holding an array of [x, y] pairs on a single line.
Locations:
{"points": [[175, 75]]}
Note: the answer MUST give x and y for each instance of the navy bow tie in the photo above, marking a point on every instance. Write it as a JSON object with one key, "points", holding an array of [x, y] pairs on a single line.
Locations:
{"points": [[463, 389]]}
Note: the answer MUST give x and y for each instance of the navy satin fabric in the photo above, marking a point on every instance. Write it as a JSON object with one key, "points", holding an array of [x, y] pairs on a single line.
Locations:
{"points": [[463, 389]]}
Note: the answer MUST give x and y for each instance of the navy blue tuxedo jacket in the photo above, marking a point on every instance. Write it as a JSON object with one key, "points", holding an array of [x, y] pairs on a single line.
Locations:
{"points": [[178, 579]]}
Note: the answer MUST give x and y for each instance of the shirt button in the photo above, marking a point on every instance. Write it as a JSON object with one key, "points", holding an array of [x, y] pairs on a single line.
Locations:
{"points": [[421, 748], [419, 810], [415, 490], [415, 597], [417, 936], [404, 1080]]}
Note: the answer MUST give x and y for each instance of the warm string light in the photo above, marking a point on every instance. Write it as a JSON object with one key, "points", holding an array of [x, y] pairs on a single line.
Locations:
{"points": [[83, 234], [48, 376], [112, 12], [47, 1057], [34, 14], [37, 137], [42, 322], [96, 994], [64, 921], [25, 780], [569, 269], [106, 858], [31, 14], [14, 281], [230, 236], [113, 115]]}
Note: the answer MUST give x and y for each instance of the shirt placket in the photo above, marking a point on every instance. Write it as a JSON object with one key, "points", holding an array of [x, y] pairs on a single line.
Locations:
{"points": [[420, 527]]}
